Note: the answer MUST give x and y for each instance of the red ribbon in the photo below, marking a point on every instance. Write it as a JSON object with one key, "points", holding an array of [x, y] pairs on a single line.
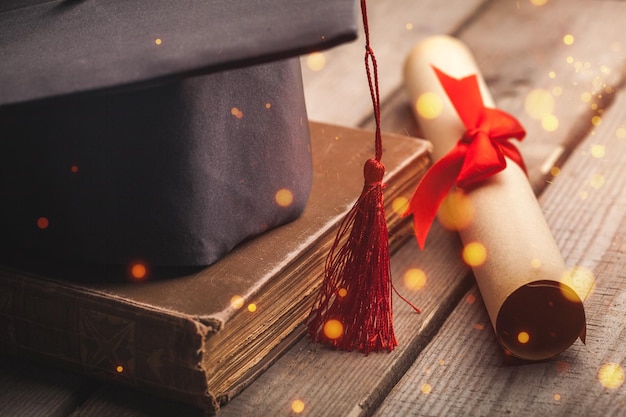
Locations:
{"points": [[479, 153]]}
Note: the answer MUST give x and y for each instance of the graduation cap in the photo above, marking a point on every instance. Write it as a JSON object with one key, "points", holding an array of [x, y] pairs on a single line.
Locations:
{"points": [[155, 129]]}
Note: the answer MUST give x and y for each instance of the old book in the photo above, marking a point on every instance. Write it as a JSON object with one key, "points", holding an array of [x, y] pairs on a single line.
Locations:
{"points": [[200, 336]]}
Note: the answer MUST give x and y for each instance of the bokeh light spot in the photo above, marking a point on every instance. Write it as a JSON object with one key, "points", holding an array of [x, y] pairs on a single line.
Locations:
{"points": [[316, 61], [586, 97], [568, 39], [611, 375], [523, 337], [428, 105], [456, 211], [158, 41], [284, 197], [552, 74], [557, 91], [251, 307], [43, 223], [74, 169], [538, 2], [620, 133], [557, 397], [569, 59], [333, 329], [237, 301], [562, 368], [470, 299], [550, 123], [539, 103], [597, 181], [342, 292], [596, 120], [414, 279], [399, 205], [119, 369], [535, 263], [409, 26], [555, 171], [579, 279], [426, 388], [138, 271], [297, 406], [598, 151], [236, 112], [268, 105], [474, 254]]}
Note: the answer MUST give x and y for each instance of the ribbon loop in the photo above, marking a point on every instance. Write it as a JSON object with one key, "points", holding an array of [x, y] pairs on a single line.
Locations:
{"points": [[480, 152]]}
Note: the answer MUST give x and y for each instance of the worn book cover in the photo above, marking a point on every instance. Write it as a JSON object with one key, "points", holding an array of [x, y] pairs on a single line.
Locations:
{"points": [[201, 335]]}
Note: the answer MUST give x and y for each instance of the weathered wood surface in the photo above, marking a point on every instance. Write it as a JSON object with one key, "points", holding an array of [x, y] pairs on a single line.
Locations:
{"points": [[450, 346]]}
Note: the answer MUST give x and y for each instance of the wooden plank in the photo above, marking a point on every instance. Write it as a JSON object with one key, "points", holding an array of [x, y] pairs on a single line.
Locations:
{"points": [[338, 92], [464, 372], [30, 389]]}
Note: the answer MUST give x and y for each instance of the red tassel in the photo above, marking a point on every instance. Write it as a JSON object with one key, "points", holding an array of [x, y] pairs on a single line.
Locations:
{"points": [[354, 306]]}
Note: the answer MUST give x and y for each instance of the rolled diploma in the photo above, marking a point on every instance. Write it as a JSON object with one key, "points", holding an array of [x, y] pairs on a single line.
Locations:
{"points": [[526, 288]]}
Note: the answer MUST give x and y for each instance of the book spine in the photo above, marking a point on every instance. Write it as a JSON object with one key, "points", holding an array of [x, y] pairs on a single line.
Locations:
{"points": [[103, 337]]}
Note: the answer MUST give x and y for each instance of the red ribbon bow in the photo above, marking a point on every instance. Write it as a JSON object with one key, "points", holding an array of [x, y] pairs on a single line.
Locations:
{"points": [[479, 153]]}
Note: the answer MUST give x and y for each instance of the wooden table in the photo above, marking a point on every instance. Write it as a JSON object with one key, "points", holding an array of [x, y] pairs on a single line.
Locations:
{"points": [[448, 361]]}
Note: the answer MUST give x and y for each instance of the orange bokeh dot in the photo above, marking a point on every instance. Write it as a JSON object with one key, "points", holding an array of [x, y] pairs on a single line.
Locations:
{"points": [[74, 169], [283, 197], [138, 271], [523, 337], [333, 329], [119, 369], [43, 223], [297, 406], [236, 112]]}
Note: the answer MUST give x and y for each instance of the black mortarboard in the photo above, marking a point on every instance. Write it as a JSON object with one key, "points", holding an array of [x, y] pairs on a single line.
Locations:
{"points": [[156, 130]]}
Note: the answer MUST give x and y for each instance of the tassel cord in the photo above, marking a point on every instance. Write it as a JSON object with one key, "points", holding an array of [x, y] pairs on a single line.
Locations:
{"points": [[372, 80]]}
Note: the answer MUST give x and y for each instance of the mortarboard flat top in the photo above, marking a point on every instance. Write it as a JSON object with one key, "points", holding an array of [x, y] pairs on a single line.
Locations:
{"points": [[55, 48]]}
